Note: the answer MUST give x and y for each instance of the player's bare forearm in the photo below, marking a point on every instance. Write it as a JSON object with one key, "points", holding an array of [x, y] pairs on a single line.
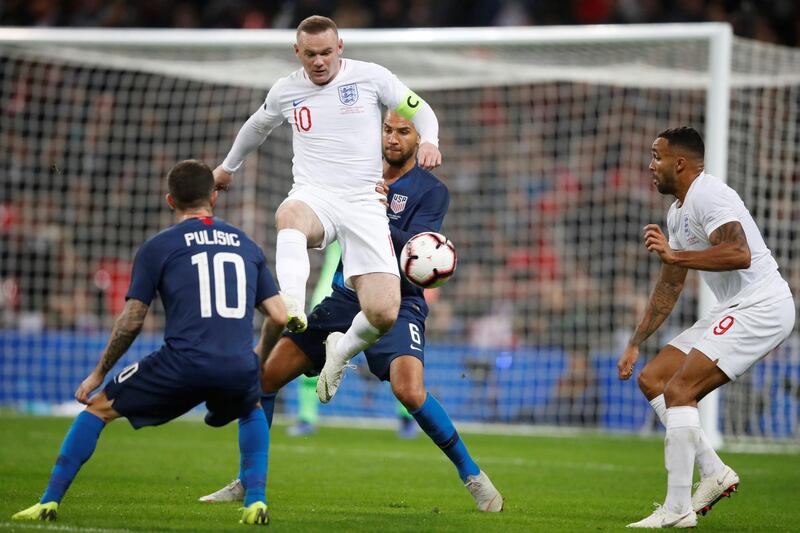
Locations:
{"points": [[270, 335], [728, 251], [126, 328], [662, 301], [273, 325]]}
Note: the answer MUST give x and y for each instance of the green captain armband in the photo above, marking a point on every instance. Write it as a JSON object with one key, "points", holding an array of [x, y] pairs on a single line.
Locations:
{"points": [[409, 105]]}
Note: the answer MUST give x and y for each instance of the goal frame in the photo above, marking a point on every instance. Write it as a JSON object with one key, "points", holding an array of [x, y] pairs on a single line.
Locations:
{"points": [[718, 36]]}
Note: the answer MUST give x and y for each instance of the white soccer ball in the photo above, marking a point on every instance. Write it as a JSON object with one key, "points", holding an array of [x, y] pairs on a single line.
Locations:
{"points": [[428, 259]]}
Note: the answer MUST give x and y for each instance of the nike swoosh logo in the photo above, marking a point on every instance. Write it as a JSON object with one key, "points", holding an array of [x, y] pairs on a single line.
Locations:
{"points": [[669, 523], [296, 103]]}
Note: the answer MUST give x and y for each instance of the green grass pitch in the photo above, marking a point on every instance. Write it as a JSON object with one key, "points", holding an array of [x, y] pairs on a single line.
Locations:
{"points": [[368, 480]]}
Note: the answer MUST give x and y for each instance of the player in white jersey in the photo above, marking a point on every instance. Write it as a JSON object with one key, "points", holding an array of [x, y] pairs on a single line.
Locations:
{"points": [[710, 230], [334, 107]]}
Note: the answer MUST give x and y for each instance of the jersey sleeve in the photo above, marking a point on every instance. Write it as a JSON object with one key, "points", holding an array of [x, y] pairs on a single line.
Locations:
{"points": [[265, 285], [672, 229], [255, 130], [714, 211], [390, 89], [429, 216], [395, 95], [146, 274]]}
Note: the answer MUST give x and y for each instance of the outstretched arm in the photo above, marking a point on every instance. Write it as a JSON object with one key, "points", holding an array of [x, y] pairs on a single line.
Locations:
{"points": [[662, 300], [250, 137], [126, 328], [728, 251]]}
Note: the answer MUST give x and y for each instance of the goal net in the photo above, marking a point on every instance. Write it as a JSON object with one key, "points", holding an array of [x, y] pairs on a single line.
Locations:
{"points": [[545, 135]]}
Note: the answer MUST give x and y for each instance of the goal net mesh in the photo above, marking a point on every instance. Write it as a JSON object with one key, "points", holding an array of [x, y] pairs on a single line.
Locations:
{"points": [[546, 149]]}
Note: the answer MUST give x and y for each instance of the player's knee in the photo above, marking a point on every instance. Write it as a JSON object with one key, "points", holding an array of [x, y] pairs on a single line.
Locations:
{"points": [[102, 409], [677, 393], [650, 383], [269, 384], [411, 395], [382, 317]]}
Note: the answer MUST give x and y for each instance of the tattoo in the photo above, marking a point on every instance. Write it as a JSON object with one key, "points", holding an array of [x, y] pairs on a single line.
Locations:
{"points": [[126, 328], [666, 293], [731, 232]]}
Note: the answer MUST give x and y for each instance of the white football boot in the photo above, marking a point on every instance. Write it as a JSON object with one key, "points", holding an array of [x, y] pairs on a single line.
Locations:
{"points": [[486, 496], [662, 518], [708, 491], [330, 377], [296, 320], [232, 492]]}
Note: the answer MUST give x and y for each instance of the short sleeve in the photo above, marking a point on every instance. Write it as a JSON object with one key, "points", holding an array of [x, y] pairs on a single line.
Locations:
{"points": [[145, 275], [714, 212], [672, 228]]}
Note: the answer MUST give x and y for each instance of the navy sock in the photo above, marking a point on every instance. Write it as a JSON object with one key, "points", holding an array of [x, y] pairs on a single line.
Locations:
{"points": [[434, 421], [254, 449], [78, 446], [268, 405]]}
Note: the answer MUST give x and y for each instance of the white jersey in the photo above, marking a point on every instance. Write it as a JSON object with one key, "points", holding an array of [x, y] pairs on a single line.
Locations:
{"points": [[709, 204], [336, 127]]}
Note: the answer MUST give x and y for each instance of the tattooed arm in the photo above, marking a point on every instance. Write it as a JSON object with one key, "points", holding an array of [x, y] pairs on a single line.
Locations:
{"points": [[126, 328], [662, 300], [728, 251]]}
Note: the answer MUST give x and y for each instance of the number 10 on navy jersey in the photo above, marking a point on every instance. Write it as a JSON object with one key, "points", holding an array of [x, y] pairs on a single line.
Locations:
{"points": [[204, 279]]}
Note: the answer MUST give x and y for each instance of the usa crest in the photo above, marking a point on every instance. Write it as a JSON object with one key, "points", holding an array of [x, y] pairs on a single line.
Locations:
{"points": [[398, 203], [348, 94]]}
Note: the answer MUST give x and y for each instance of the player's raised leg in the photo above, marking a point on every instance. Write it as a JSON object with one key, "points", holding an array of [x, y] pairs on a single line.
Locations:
{"points": [[406, 376], [298, 229], [77, 448], [379, 296]]}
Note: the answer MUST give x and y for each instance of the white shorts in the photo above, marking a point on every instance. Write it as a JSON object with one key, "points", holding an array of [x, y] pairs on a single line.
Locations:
{"points": [[739, 334], [361, 227]]}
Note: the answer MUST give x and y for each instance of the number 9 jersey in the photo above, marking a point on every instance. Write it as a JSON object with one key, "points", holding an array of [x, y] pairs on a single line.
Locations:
{"points": [[210, 276]]}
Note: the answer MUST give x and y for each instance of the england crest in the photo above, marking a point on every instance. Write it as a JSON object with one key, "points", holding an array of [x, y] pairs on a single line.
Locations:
{"points": [[348, 94], [398, 203]]}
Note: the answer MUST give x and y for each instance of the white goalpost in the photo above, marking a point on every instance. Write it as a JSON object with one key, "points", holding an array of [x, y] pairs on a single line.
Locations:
{"points": [[545, 132]]}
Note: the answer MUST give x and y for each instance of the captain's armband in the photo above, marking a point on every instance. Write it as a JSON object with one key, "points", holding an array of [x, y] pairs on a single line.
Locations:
{"points": [[409, 105]]}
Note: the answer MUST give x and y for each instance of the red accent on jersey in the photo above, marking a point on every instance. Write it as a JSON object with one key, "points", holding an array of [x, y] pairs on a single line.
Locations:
{"points": [[724, 325], [208, 221]]}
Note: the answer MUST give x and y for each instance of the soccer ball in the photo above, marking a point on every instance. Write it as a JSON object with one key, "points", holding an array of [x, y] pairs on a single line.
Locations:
{"points": [[428, 259]]}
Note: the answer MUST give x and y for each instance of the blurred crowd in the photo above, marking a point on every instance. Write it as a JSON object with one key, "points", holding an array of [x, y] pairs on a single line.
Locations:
{"points": [[776, 21]]}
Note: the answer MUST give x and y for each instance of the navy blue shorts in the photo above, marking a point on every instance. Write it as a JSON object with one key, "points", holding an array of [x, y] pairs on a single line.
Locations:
{"points": [[163, 386], [407, 336]]}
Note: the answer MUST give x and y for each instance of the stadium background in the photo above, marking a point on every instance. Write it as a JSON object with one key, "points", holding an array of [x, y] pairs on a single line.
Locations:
{"points": [[549, 187]]}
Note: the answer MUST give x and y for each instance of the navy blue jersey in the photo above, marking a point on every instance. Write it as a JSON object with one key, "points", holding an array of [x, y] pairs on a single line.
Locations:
{"points": [[210, 276], [418, 202]]}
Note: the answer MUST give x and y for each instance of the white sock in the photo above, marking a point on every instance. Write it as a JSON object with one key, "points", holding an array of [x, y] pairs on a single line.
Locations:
{"points": [[291, 264], [708, 462], [360, 336], [660, 407], [680, 446]]}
